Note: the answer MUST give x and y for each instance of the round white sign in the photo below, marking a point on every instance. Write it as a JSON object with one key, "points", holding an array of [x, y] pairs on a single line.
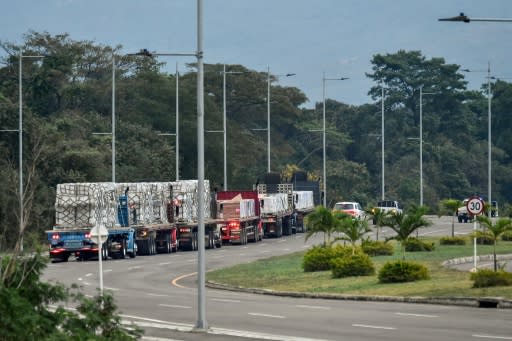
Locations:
{"points": [[99, 234], [475, 205]]}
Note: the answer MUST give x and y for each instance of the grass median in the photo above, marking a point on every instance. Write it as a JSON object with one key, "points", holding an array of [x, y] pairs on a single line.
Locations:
{"points": [[285, 273]]}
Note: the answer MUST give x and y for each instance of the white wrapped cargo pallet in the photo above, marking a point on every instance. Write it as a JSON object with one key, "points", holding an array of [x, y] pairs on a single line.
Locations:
{"points": [[83, 205], [185, 193], [303, 200], [236, 208], [148, 199], [274, 203]]}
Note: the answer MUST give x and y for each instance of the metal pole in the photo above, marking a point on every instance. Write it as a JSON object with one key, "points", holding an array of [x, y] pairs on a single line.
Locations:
{"points": [[113, 118], [268, 119], [100, 261], [177, 125], [224, 127], [20, 145], [421, 145], [324, 172], [382, 141], [489, 140], [201, 318]]}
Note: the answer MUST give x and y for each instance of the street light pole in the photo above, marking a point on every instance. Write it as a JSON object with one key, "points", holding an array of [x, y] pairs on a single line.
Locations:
{"points": [[489, 139], [224, 126], [421, 140], [268, 119], [324, 170], [113, 118], [177, 125], [382, 142]]}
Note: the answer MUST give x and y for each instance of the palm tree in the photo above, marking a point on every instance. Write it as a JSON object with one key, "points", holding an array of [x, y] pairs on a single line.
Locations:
{"points": [[353, 230], [405, 224], [451, 205], [377, 216], [321, 220], [493, 231]]}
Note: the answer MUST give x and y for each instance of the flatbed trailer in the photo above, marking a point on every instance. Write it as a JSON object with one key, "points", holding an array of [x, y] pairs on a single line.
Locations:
{"points": [[187, 235]]}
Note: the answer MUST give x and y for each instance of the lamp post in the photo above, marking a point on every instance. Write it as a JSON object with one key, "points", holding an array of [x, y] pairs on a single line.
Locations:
{"points": [[268, 113], [464, 18], [421, 140], [323, 134], [20, 143], [382, 143]]}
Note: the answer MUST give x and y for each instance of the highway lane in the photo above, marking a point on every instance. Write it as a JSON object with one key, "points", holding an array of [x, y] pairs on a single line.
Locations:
{"points": [[145, 293]]}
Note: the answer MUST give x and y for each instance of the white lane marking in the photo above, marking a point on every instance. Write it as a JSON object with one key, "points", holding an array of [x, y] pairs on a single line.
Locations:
{"points": [[268, 315], [492, 337], [417, 315], [80, 278], [282, 241], [286, 249], [89, 274], [373, 327], [266, 251], [306, 246], [175, 306], [109, 288], [157, 295], [152, 338], [87, 283], [134, 267], [191, 260], [313, 307], [430, 232], [107, 270], [165, 263], [225, 300]]}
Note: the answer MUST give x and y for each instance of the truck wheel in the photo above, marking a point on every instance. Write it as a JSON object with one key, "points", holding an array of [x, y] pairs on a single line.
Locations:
{"points": [[459, 219], [123, 251], [194, 242], [133, 254]]}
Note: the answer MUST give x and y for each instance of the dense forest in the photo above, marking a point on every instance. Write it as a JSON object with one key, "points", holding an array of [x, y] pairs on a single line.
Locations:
{"points": [[67, 118]]}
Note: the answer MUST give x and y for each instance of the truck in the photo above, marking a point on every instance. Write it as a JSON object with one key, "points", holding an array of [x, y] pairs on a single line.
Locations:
{"points": [[276, 205], [303, 204], [387, 206], [238, 216], [142, 218]]}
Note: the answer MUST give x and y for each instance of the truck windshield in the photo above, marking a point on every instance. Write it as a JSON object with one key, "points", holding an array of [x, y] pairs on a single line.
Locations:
{"points": [[344, 206]]}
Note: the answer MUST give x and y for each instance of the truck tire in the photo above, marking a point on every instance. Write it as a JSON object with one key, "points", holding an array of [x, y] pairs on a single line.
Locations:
{"points": [[123, 249], [133, 254], [194, 242]]}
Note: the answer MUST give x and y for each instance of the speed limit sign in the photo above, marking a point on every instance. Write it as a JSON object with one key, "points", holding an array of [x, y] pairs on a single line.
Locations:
{"points": [[475, 205]]}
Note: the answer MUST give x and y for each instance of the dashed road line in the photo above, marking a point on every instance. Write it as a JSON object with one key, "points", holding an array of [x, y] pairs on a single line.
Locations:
{"points": [[416, 315], [174, 306], [372, 327], [313, 307], [492, 337], [267, 315], [225, 300]]}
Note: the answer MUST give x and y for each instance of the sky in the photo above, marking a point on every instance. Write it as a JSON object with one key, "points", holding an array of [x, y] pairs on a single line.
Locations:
{"points": [[305, 37]]}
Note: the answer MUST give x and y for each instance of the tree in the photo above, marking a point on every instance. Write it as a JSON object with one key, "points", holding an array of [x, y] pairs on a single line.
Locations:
{"points": [[353, 229], [404, 224], [452, 205], [493, 231], [321, 221]]}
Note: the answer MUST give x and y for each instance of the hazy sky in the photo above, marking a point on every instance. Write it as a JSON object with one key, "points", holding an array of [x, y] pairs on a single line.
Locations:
{"points": [[306, 37]]}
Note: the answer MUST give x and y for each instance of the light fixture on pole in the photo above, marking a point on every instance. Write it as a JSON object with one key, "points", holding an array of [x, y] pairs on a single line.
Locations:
{"points": [[324, 171], [464, 18], [268, 113]]}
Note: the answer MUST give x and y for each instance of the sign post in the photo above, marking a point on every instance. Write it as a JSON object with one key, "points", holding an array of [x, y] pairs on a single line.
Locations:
{"points": [[99, 235], [475, 206]]}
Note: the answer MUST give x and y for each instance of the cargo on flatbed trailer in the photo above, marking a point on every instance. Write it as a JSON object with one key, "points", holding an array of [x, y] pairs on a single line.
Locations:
{"points": [[238, 216]]}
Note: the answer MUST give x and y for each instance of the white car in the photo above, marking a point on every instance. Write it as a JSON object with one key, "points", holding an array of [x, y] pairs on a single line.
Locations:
{"points": [[350, 207]]}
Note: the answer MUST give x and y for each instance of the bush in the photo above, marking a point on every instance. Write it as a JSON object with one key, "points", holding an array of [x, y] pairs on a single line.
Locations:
{"points": [[414, 244], [507, 236], [359, 264], [452, 241], [488, 278], [340, 251], [484, 240], [377, 248], [318, 258], [402, 271]]}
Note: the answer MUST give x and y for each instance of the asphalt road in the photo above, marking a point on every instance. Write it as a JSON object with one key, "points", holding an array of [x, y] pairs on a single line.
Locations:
{"points": [[159, 293]]}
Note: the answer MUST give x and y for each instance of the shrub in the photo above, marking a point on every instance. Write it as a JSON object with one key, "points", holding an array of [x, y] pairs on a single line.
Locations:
{"points": [[484, 240], [507, 236], [359, 264], [402, 271], [452, 241], [489, 278], [340, 251], [377, 248], [414, 244], [318, 258]]}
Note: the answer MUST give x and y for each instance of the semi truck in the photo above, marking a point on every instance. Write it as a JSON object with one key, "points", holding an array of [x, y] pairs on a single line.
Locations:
{"points": [[238, 216], [303, 204], [141, 218]]}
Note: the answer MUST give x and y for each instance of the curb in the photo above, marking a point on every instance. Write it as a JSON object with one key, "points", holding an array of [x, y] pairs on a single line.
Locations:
{"points": [[477, 302], [463, 260]]}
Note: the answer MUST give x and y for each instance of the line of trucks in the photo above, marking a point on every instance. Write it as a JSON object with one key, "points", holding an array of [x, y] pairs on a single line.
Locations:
{"points": [[146, 218]]}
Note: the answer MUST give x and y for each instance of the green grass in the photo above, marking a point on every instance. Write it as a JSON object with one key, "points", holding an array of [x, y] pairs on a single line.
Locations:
{"points": [[285, 273]]}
